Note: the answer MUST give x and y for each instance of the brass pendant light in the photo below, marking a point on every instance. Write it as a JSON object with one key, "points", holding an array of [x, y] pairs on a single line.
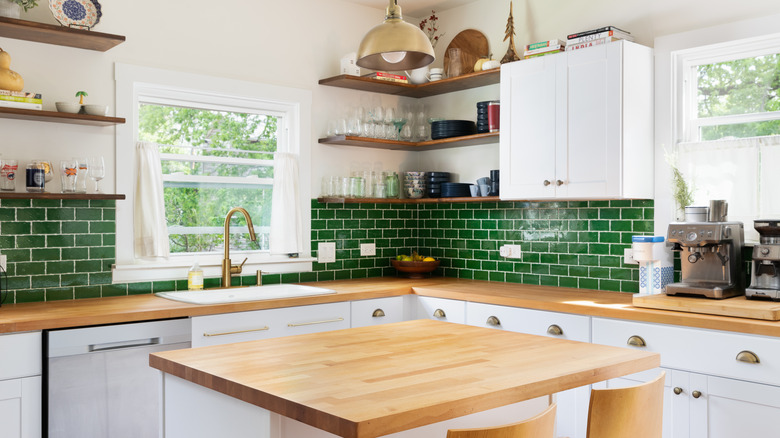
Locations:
{"points": [[395, 44]]}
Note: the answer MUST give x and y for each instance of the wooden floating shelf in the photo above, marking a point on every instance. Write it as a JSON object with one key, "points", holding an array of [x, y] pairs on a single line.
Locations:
{"points": [[407, 201], [449, 85], [58, 117], [58, 35], [47, 195], [453, 142]]}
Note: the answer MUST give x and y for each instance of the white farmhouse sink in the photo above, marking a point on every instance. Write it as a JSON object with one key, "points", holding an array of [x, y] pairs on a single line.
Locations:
{"points": [[240, 294]]}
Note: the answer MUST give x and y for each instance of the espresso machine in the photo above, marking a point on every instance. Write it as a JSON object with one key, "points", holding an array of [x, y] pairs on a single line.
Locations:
{"points": [[765, 273], [710, 253]]}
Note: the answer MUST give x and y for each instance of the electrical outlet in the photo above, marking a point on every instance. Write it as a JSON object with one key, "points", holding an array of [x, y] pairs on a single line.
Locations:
{"points": [[326, 252], [628, 257], [368, 249], [511, 251], [3, 262]]}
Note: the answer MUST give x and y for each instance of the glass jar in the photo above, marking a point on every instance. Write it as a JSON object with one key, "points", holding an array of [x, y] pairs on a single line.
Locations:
{"points": [[392, 184]]}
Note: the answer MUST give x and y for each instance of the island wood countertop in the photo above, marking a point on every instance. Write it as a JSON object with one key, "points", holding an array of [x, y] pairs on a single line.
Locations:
{"points": [[372, 381], [95, 311]]}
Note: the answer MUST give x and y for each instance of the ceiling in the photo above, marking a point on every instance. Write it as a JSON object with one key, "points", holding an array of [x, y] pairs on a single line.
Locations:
{"points": [[414, 8]]}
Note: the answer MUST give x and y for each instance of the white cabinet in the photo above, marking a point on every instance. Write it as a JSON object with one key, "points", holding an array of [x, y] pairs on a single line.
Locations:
{"points": [[578, 125], [271, 323], [378, 311], [20, 385], [572, 416], [441, 309]]}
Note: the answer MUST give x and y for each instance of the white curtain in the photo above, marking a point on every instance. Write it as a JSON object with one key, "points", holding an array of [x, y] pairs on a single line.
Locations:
{"points": [[149, 226], [286, 229]]}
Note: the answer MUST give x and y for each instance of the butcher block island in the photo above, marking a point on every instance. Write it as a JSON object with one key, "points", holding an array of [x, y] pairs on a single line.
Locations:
{"points": [[377, 380]]}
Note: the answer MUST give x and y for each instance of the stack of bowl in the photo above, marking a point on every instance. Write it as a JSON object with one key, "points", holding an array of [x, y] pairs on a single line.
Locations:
{"points": [[433, 181], [414, 184]]}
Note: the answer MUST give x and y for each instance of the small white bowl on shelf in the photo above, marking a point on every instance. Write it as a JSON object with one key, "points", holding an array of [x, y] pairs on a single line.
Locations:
{"points": [[67, 107], [96, 110]]}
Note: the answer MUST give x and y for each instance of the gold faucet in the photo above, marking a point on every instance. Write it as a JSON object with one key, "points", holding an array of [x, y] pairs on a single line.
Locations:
{"points": [[228, 269]]}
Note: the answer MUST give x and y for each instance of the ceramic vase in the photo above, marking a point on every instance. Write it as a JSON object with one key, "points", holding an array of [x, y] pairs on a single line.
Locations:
{"points": [[10, 9]]}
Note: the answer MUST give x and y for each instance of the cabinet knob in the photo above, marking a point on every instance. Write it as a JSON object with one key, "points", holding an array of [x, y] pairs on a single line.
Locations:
{"points": [[558, 182], [439, 313], [555, 330], [378, 313], [636, 341], [696, 394], [677, 390], [492, 320], [546, 182], [747, 357]]}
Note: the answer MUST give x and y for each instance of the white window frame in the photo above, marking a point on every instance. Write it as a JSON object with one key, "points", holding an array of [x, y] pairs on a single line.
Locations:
{"points": [[135, 83]]}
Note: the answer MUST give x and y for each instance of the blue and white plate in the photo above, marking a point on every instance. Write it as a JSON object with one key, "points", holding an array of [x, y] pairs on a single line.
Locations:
{"points": [[84, 14]]}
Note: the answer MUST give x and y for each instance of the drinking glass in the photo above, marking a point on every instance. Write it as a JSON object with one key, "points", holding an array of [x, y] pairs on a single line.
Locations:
{"points": [[68, 174], [97, 171], [82, 176], [9, 169], [454, 62]]}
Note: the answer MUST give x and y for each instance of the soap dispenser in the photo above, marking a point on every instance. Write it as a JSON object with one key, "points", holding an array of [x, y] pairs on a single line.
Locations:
{"points": [[195, 277]]}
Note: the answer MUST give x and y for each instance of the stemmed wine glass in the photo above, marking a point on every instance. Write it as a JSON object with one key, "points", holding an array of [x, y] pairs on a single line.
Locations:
{"points": [[97, 171]]}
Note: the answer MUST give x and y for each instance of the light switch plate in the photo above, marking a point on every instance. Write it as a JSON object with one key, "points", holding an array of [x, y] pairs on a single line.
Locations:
{"points": [[326, 252], [3, 262], [367, 249], [511, 251]]}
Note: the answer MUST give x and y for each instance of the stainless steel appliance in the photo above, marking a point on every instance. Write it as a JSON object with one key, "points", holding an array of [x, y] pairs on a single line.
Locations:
{"points": [[765, 273], [98, 379], [710, 256]]}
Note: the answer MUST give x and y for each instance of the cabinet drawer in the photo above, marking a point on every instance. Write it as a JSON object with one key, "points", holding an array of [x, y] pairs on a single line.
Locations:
{"points": [[377, 311], [440, 309], [535, 322], [312, 319], [705, 351], [26, 357]]}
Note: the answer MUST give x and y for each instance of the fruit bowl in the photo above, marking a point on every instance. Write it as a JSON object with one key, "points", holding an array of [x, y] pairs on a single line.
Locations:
{"points": [[415, 269]]}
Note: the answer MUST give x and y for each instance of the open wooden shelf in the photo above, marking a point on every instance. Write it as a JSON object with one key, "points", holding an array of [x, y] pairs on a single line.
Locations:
{"points": [[47, 195], [58, 35], [449, 85], [407, 201], [453, 142], [58, 117]]}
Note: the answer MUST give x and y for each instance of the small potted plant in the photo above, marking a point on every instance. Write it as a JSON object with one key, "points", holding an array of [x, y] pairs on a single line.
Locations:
{"points": [[13, 8]]}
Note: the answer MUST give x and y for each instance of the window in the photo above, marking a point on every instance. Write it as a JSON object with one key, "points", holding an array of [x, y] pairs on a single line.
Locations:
{"points": [[217, 139]]}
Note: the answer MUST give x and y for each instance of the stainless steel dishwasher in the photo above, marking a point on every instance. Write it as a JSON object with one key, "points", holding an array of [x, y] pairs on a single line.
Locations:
{"points": [[98, 380]]}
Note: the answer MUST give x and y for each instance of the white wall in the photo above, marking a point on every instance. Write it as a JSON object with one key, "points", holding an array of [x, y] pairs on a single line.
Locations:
{"points": [[297, 42]]}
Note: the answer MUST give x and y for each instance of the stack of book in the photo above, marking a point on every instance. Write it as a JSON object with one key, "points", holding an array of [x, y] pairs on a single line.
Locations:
{"points": [[544, 48], [595, 37], [20, 99], [383, 76]]}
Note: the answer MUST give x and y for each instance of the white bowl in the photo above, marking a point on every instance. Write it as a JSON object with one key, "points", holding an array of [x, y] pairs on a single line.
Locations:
{"points": [[96, 110], [67, 107]]}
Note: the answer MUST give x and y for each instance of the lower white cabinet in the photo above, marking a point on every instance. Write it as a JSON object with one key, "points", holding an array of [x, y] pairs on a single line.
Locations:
{"points": [[377, 311], [227, 328], [20, 385], [441, 309]]}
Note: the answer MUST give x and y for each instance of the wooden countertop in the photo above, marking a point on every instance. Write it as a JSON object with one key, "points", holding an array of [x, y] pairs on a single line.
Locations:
{"points": [[95, 311], [372, 381]]}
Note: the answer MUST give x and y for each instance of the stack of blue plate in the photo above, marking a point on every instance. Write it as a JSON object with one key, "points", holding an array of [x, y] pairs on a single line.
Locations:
{"points": [[452, 128], [433, 182], [455, 190]]}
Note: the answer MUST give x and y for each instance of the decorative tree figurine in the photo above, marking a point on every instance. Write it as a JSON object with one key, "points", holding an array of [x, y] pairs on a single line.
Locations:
{"points": [[511, 53], [81, 95]]}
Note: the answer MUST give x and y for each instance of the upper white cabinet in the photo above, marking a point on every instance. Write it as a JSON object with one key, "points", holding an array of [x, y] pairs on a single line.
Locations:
{"points": [[578, 125]]}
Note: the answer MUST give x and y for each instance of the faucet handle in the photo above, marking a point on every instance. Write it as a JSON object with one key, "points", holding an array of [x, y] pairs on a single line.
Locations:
{"points": [[236, 269], [242, 263]]}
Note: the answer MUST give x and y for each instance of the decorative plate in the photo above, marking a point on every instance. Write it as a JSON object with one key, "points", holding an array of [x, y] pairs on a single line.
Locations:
{"points": [[84, 14]]}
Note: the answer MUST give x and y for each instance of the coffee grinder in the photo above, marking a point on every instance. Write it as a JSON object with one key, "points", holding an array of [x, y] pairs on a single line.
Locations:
{"points": [[710, 254], [765, 273]]}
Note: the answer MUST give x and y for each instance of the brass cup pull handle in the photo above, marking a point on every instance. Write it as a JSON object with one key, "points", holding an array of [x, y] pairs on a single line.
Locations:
{"points": [[558, 182], [378, 313], [546, 182], [696, 394], [493, 321], [748, 357], [555, 330], [439, 313], [677, 390], [636, 341]]}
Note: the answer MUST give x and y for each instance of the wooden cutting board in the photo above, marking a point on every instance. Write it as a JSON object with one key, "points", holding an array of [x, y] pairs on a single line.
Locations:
{"points": [[473, 45], [739, 307]]}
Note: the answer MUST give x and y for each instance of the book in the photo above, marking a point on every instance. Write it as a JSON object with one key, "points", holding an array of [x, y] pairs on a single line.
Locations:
{"points": [[542, 44], [593, 31], [21, 99], [536, 55], [20, 94], [592, 43], [20, 105], [596, 36], [556, 48], [383, 76]]}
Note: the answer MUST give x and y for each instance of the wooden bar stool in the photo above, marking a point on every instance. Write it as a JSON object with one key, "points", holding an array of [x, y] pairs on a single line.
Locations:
{"points": [[540, 426], [633, 412]]}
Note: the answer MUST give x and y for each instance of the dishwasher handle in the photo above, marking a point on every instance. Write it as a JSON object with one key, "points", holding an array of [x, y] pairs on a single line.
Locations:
{"points": [[124, 344]]}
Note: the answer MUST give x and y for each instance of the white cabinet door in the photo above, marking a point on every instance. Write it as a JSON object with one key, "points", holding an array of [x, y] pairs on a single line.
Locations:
{"points": [[439, 309], [527, 143], [377, 311], [739, 409], [20, 385]]}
